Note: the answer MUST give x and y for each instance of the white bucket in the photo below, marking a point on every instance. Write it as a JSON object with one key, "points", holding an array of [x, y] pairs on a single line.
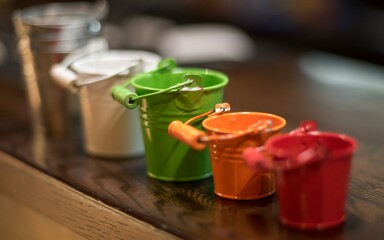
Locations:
{"points": [[110, 130]]}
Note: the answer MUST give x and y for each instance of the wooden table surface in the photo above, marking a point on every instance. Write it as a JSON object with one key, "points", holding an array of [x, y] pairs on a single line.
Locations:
{"points": [[343, 95]]}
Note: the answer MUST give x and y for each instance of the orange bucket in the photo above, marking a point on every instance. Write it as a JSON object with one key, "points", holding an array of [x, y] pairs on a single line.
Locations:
{"points": [[228, 135]]}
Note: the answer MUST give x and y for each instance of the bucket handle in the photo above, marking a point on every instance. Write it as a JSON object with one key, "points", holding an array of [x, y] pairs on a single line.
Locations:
{"points": [[305, 127], [68, 79], [190, 135], [260, 126], [61, 72], [259, 158], [198, 139], [130, 99], [166, 65]]}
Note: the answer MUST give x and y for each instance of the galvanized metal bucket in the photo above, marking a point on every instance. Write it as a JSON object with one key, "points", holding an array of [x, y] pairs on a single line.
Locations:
{"points": [[46, 35]]}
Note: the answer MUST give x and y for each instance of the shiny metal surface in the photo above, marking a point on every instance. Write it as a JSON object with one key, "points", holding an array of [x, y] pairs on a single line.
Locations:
{"points": [[46, 35]]}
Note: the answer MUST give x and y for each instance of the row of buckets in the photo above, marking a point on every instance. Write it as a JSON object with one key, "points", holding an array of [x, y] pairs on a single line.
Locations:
{"points": [[138, 103], [135, 103]]}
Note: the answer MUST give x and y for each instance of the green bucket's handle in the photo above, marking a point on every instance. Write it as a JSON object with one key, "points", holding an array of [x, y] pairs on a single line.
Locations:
{"points": [[193, 84], [124, 96], [130, 99], [166, 65]]}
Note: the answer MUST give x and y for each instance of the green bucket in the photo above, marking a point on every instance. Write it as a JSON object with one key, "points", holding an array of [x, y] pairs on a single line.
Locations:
{"points": [[164, 95]]}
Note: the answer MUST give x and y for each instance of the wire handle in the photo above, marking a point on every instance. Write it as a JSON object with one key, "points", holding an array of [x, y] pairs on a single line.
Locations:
{"points": [[259, 127], [191, 135], [130, 99], [219, 108]]}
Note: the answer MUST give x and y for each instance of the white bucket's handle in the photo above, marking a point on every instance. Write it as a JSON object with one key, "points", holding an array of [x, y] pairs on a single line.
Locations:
{"points": [[94, 45], [64, 77]]}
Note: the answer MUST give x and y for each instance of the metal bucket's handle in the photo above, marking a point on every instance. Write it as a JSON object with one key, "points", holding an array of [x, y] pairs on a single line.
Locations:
{"points": [[64, 77], [94, 45], [61, 72], [101, 8], [68, 79]]}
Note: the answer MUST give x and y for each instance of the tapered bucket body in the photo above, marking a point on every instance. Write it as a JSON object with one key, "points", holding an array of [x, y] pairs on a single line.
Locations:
{"points": [[109, 129], [167, 158], [233, 178], [312, 177], [47, 34]]}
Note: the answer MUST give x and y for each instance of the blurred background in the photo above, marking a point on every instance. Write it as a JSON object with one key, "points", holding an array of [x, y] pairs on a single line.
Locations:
{"points": [[352, 28]]}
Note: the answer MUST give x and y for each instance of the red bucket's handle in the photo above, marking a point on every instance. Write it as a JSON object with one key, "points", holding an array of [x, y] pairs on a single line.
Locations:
{"points": [[305, 127], [258, 158]]}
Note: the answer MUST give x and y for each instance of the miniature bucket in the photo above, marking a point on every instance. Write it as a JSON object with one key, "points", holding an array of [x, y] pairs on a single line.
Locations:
{"points": [[46, 34], [228, 135], [164, 95], [110, 130], [313, 173]]}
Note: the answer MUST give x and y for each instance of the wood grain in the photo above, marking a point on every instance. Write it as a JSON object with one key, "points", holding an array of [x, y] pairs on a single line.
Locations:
{"points": [[18, 222], [86, 216], [275, 82]]}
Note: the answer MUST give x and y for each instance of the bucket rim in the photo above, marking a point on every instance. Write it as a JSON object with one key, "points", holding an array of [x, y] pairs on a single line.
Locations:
{"points": [[274, 129], [182, 71], [27, 14], [130, 56], [280, 153]]}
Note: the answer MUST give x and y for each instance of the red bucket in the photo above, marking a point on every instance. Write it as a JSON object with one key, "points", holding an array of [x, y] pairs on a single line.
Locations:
{"points": [[312, 176]]}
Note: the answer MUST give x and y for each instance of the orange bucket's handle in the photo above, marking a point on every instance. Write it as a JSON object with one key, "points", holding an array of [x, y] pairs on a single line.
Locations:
{"points": [[260, 126], [187, 134], [191, 135], [197, 139]]}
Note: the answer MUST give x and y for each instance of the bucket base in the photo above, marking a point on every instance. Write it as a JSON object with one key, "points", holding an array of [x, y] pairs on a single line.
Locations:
{"points": [[172, 179], [234, 197], [312, 226]]}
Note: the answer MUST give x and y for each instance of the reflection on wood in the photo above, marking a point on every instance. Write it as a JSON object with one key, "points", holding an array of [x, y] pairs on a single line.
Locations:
{"points": [[86, 216], [106, 198]]}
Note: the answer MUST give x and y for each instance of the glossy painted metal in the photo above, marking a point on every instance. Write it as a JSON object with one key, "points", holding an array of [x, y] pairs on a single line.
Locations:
{"points": [[167, 158], [46, 34], [232, 177], [312, 169]]}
